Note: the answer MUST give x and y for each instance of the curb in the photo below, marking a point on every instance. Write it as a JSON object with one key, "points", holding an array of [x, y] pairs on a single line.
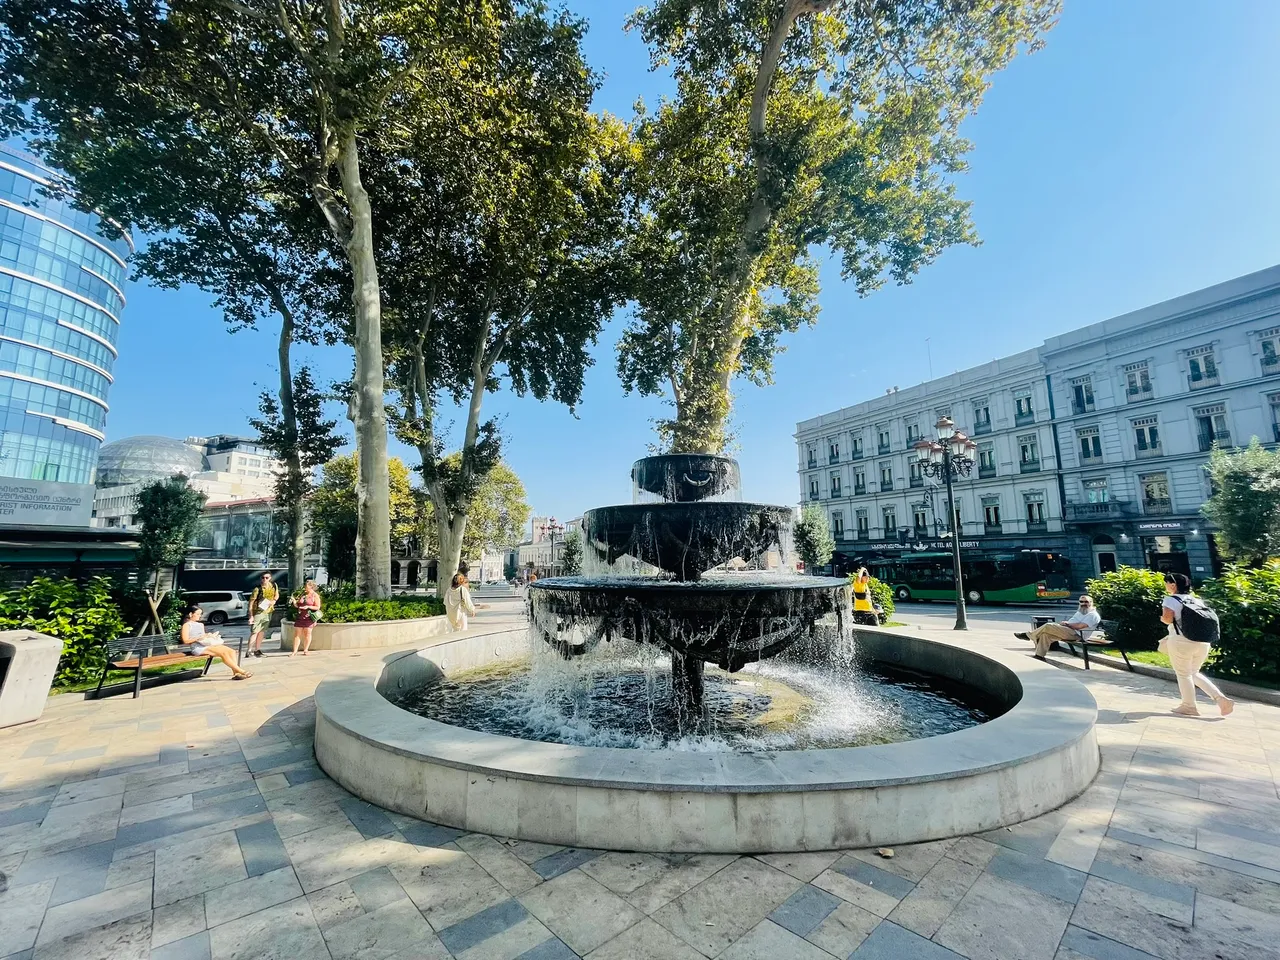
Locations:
{"points": [[1232, 688]]}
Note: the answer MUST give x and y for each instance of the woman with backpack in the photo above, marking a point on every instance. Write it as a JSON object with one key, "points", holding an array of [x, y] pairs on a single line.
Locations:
{"points": [[1193, 629]]}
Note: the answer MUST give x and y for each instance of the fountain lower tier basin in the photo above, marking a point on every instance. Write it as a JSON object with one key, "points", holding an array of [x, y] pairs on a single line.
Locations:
{"points": [[684, 539], [1038, 754]]}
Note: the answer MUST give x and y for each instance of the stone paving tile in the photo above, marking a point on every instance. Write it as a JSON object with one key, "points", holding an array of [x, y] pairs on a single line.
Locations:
{"points": [[580, 911], [368, 819], [185, 869], [722, 908], [261, 848], [891, 942], [194, 947], [78, 916], [1030, 927], [177, 921], [126, 939], [925, 908], [646, 940], [562, 862], [768, 941], [385, 932], [1043, 876], [805, 910], [504, 866], [239, 899], [1078, 942], [280, 932]]}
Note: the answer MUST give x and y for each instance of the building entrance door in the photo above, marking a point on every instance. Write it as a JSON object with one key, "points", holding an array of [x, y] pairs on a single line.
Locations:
{"points": [[1104, 559], [1167, 554]]}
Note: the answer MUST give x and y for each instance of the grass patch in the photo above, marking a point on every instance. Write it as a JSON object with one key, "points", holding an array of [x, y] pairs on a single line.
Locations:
{"points": [[1157, 659], [122, 676]]}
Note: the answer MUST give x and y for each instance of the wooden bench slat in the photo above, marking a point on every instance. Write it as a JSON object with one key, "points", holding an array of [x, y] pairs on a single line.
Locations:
{"points": [[160, 660]]}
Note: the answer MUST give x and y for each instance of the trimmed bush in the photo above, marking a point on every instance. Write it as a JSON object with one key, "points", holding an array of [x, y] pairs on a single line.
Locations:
{"points": [[1247, 602], [344, 607], [84, 616], [1131, 597]]}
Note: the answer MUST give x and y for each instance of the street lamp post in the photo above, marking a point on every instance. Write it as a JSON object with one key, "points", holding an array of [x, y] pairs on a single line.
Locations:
{"points": [[950, 456], [552, 528]]}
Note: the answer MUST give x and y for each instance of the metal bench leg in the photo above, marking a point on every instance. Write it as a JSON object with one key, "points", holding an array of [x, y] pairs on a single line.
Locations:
{"points": [[1126, 659], [97, 694], [137, 680], [1084, 648], [207, 664]]}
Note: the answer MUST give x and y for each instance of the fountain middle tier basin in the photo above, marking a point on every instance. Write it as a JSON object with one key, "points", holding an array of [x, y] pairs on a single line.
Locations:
{"points": [[1039, 753], [684, 539], [729, 620]]}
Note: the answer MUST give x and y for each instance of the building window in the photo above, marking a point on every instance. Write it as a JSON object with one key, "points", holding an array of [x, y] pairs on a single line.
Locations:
{"points": [[1090, 443], [884, 441], [981, 417], [1202, 368], [913, 432], [864, 525], [941, 412], [886, 476], [1081, 395], [1137, 382], [1146, 437], [857, 446], [1155, 493], [890, 521], [1269, 341], [1211, 426], [813, 457], [986, 460], [813, 488], [920, 517], [1029, 453], [837, 524], [833, 451], [917, 474], [835, 485], [1274, 400], [991, 512], [859, 482], [1095, 490], [1023, 412], [1034, 503]]}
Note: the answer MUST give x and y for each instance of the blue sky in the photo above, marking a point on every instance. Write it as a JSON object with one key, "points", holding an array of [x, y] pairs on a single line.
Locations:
{"points": [[1133, 159]]}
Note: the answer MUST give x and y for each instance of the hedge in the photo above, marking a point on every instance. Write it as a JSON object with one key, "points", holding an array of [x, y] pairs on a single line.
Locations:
{"points": [[1131, 597], [1247, 602], [84, 616], [344, 607]]}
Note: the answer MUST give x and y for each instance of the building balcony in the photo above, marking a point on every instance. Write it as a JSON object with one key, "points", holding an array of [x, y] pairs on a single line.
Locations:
{"points": [[1029, 466], [863, 535], [835, 492], [1081, 408], [1275, 432], [1022, 419], [1221, 437], [838, 534], [992, 529], [917, 481], [1138, 394], [1203, 381], [980, 427], [856, 455], [814, 495], [1149, 452], [885, 448], [1037, 526], [886, 486], [1108, 511], [986, 473], [833, 458], [813, 464], [1157, 507], [859, 489], [1270, 365]]}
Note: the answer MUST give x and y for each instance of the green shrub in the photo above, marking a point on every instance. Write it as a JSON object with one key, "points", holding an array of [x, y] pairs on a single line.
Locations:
{"points": [[1131, 597], [84, 616], [1247, 602], [343, 606], [881, 596]]}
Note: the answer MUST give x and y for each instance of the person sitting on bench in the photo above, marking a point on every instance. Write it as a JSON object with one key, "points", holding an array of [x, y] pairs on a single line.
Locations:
{"points": [[207, 644], [1077, 629]]}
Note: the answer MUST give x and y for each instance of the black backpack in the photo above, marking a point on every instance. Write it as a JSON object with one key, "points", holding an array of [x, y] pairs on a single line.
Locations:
{"points": [[1198, 621]]}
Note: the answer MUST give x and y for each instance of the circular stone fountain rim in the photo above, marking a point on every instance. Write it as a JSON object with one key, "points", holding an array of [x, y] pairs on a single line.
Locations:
{"points": [[708, 584], [1052, 713]]}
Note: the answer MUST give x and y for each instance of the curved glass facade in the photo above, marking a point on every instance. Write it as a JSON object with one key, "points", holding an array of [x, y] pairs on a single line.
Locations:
{"points": [[62, 278]]}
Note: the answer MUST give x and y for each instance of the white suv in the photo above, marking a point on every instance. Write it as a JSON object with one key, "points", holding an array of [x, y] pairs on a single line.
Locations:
{"points": [[219, 606]]}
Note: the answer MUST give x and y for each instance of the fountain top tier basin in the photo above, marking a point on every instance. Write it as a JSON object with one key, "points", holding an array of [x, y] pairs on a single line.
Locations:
{"points": [[685, 478]]}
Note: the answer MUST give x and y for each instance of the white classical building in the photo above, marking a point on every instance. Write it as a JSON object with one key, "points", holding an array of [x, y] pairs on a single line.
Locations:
{"points": [[1092, 444]]}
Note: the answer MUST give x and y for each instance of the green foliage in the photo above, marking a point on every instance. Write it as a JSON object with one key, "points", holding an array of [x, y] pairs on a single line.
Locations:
{"points": [[795, 126], [335, 511], [509, 567], [497, 513], [168, 515], [882, 597], [813, 539], [1131, 597], [1247, 602], [1245, 505], [84, 616], [342, 606], [571, 559]]}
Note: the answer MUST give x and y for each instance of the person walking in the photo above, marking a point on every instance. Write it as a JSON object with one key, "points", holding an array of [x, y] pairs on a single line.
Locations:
{"points": [[1077, 629], [208, 644], [308, 613], [457, 602], [1193, 628], [262, 601]]}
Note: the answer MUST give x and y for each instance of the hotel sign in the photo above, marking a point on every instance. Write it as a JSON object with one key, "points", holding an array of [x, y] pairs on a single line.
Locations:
{"points": [[1161, 526], [42, 503]]}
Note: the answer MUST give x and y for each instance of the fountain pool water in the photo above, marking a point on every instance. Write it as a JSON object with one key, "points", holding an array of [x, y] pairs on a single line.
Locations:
{"points": [[689, 693]]}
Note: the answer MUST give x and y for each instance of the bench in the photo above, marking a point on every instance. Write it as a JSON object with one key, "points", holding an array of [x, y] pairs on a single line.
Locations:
{"points": [[1100, 638], [148, 652]]}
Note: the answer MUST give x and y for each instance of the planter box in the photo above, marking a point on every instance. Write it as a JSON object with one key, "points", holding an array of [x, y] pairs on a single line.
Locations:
{"points": [[379, 633], [28, 661]]}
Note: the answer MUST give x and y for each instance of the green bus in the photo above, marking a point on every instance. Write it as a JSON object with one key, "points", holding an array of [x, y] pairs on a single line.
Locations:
{"points": [[1023, 576]]}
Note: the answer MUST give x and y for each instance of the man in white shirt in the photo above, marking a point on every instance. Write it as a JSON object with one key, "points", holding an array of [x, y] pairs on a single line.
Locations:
{"points": [[1076, 630]]}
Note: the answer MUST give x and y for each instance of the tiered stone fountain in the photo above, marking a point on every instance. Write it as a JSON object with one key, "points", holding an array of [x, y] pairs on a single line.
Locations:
{"points": [[691, 567]]}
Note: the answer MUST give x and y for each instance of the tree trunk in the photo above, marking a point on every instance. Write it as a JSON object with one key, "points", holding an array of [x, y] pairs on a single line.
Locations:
{"points": [[294, 511], [373, 481], [449, 533]]}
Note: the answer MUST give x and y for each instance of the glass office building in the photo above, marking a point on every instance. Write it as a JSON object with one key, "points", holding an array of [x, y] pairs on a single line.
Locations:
{"points": [[62, 274]]}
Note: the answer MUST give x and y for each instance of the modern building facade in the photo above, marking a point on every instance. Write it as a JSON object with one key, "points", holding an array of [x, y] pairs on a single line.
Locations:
{"points": [[62, 276], [1092, 445]]}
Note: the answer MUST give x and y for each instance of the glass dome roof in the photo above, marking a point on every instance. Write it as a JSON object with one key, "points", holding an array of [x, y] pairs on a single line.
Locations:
{"points": [[143, 459]]}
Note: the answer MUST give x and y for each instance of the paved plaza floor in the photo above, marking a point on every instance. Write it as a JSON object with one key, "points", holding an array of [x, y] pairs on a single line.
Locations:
{"points": [[194, 823]]}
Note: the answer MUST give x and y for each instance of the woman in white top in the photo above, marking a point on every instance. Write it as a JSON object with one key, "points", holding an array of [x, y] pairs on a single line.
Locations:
{"points": [[1187, 656], [457, 602], [202, 643]]}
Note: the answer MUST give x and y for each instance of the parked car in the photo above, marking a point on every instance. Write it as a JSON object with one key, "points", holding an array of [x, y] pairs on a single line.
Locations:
{"points": [[219, 606]]}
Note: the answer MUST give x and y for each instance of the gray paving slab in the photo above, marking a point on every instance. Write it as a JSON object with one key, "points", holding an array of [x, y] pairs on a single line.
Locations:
{"points": [[262, 848], [873, 876], [1051, 879], [804, 911], [889, 941]]}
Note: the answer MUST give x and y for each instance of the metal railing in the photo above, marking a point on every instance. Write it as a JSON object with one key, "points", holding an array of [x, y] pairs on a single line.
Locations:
{"points": [[992, 528], [1134, 394], [1079, 408], [886, 486], [1157, 506], [1151, 451], [981, 426], [1101, 511], [1037, 526], [986, 473], [1029, 466], [1221, 437], [885, 447], [917, 481], [833, 458], [1202, 381], [859, 489], [1022, 419]]}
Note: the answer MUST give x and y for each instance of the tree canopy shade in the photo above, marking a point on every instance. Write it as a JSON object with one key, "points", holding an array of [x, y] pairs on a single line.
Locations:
{"points": [[335, 509], [813, 539], [499, 243], [797, 124], [1245, 506]]}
